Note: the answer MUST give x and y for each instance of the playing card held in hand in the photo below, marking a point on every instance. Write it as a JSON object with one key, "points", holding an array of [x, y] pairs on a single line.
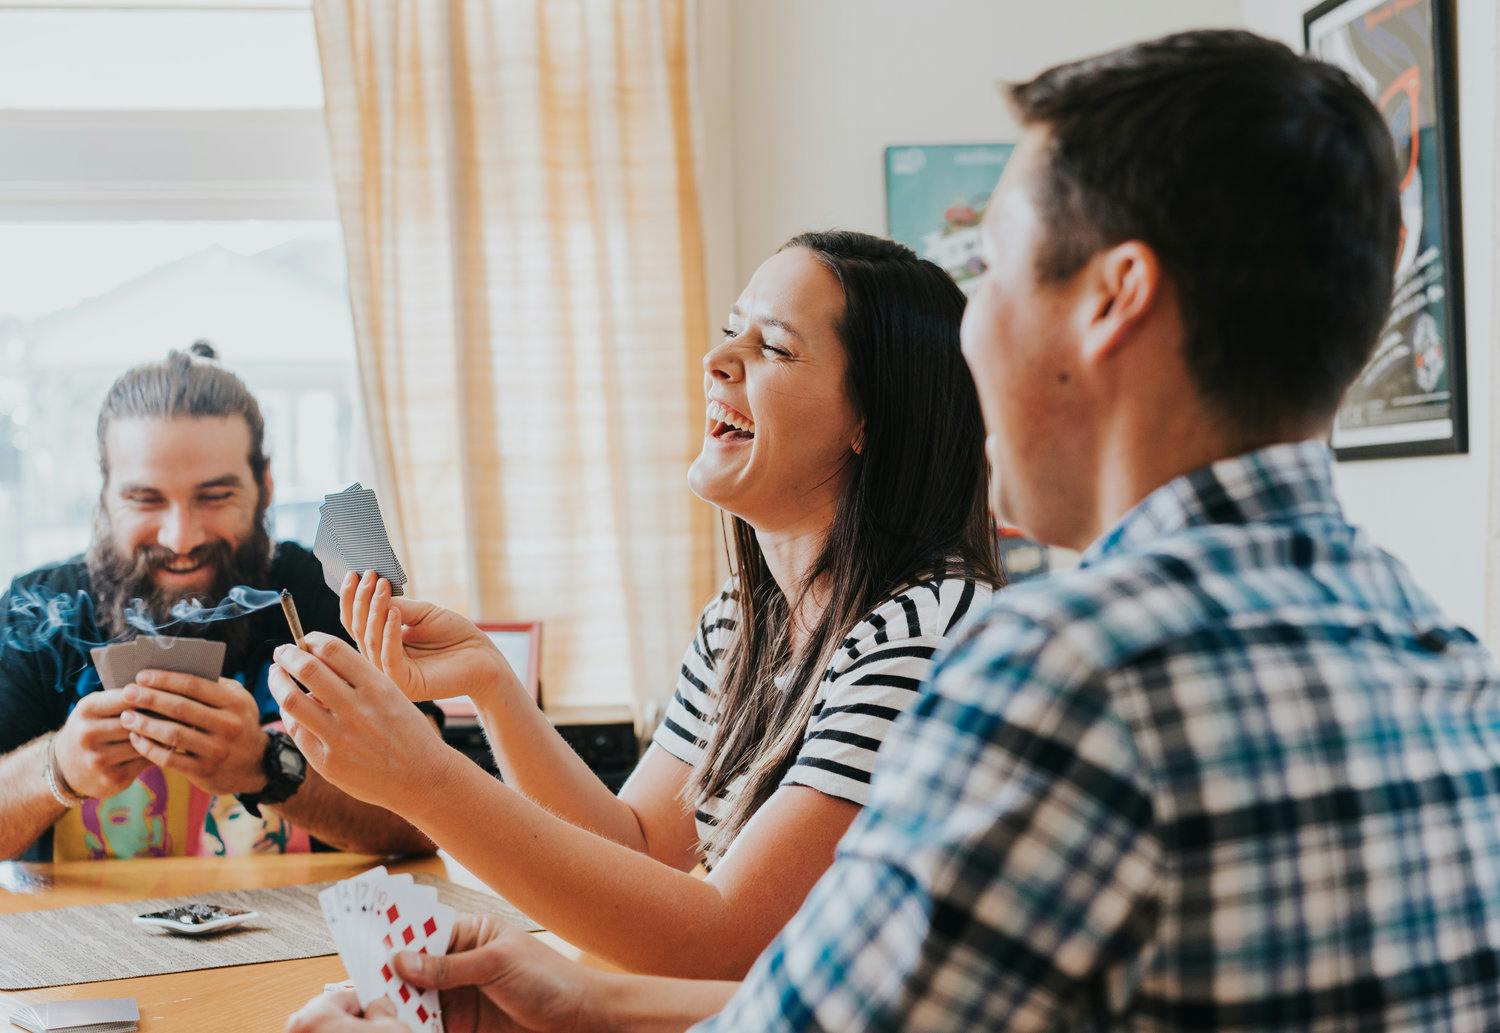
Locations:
{"points": [[352, 536], [376, 914]]}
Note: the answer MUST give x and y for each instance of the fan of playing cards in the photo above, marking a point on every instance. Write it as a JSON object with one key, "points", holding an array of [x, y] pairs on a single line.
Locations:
{"points": [[375, 914], [120, 663], [351, 536]]}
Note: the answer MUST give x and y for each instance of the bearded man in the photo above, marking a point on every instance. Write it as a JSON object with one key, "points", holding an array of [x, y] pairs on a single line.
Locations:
{"points": [[182, 518]]}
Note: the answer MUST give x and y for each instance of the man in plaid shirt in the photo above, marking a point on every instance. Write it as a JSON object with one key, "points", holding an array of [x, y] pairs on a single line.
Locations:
{"points": [[1236, 771]]}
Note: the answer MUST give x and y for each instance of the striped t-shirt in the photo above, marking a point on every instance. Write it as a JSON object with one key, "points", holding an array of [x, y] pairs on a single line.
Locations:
{"points": [[873, 679]]}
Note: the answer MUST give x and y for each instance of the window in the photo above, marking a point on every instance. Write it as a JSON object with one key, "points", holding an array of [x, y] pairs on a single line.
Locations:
{"points": [[164, 178]]}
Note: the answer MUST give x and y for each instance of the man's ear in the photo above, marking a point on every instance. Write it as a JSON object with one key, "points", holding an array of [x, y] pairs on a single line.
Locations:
{"points": [[1123, 287], [267, 484]]}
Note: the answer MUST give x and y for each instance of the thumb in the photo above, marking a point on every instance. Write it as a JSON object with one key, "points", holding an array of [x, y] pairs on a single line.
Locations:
{"points": [[466, 968], [412, 611], [381, 1008]]}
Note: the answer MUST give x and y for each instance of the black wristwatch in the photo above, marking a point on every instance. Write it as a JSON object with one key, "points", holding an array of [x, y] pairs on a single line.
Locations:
{"points": [[285, 768]]}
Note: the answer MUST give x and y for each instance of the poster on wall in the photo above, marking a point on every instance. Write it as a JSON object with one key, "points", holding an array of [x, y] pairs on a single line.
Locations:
{"points": [[935, 196], [1410, 399]]}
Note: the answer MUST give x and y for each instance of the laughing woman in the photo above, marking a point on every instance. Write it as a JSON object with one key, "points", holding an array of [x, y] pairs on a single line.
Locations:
{"points": [[844, 439]]}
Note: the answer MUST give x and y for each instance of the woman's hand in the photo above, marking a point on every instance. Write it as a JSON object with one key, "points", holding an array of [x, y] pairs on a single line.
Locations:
{"points": [[353, 725], [429, 652], [495, 978]]}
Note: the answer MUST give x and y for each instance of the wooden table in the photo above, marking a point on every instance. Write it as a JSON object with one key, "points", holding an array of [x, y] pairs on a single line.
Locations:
{"points": [[237, 999]]}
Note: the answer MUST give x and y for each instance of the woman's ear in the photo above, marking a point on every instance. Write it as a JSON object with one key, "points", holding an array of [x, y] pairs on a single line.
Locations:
{"points": [[859, 439]]}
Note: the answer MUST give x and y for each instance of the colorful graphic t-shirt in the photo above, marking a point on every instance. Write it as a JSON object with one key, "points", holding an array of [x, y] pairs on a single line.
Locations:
{"points": [[160, 814]]}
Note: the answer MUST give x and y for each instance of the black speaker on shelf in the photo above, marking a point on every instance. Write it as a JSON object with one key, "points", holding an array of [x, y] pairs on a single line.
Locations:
{"points": [[603, 736]]}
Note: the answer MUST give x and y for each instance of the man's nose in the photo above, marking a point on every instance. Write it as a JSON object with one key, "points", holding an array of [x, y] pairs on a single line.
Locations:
{"points": [[180, 531]]}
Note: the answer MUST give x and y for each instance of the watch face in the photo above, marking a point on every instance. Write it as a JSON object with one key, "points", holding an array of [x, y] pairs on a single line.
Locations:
{"points": [[292, 764]]}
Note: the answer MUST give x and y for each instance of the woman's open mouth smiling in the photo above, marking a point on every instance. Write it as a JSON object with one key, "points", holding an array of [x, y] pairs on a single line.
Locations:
{"points": [[728, 424]]}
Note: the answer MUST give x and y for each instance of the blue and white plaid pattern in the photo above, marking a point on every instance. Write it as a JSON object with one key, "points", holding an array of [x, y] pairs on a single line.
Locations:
{"points": [[1236, 772]]}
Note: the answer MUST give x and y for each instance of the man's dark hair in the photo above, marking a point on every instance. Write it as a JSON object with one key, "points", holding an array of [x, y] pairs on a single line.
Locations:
{"points": [[1266, 184], [184, 385]]}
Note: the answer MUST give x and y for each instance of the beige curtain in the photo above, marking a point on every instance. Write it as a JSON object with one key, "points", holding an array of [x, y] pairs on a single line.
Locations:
{"points": [[515, 179]]}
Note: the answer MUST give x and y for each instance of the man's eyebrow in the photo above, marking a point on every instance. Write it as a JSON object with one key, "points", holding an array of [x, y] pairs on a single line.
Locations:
{"points": [[777, 323], [225, 480]]}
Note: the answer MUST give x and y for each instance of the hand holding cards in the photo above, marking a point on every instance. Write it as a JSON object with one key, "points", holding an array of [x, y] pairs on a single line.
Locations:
{"points": [[352, 536], [376, 914]]}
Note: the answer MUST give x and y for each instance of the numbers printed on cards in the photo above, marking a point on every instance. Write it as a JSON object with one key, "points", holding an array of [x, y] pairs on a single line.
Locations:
{"points": [[376, 914]]}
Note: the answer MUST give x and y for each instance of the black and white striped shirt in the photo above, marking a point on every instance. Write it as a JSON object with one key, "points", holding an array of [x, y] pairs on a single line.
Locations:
{"points": [[873, 679]]}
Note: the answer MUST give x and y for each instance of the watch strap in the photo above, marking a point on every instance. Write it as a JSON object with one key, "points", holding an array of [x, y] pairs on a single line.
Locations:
{"points": [[279, 787]]}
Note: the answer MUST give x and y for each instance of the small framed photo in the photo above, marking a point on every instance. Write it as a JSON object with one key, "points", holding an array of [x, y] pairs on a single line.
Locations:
{"points": [[520, 642], [935, 197]]}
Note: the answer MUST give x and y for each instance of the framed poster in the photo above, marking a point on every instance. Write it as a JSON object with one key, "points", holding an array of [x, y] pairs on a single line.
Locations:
{"points": [[936, 194], [1411, 398]]}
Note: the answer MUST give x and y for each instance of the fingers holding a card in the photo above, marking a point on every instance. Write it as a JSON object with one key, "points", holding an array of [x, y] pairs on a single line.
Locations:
{"points": [[485, 976], [367, 612], [354, 725], [339, 1012], [428, 651], [92, 749], [207, 729], [494, 977]]}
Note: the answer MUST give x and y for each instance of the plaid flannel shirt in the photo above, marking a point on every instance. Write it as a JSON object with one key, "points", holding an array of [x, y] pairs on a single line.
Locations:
{"points": [[1236, 772]]}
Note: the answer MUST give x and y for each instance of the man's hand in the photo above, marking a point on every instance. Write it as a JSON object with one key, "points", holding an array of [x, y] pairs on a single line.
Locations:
{"points": [[429, 652], [93, 750], [338, 1012], [495, 978], [208, 730]]}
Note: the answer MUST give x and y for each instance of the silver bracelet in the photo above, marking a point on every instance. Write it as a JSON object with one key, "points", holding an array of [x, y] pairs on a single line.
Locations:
{"points": [[57, 785]]}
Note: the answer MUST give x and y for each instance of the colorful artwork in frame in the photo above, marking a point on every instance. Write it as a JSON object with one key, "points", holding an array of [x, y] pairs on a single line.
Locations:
{"points": [[935, 196], [1410, 398]]}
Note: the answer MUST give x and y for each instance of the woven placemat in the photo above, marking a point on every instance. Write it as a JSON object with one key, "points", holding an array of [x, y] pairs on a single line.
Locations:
{"points": [[95, 942]]}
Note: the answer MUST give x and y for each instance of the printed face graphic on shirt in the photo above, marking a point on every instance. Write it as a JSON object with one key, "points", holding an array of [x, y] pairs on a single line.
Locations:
{"points": [[231, 831], [132, 823]]}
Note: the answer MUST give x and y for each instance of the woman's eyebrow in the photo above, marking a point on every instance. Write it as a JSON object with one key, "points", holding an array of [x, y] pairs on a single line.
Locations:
{"points": [[769, 321]]}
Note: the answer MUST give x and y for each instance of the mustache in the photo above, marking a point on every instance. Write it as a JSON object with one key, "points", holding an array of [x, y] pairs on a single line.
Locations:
{"points": [[150, 557], [127, 597]]}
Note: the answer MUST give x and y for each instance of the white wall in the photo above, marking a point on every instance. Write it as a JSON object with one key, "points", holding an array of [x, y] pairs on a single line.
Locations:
{"points": [[819, 88], [1433, 512], [802, 96]]}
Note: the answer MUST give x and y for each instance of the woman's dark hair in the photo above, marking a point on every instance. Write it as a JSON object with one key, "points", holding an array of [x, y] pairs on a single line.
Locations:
{"points": [[915, 510], [1265, 182]]}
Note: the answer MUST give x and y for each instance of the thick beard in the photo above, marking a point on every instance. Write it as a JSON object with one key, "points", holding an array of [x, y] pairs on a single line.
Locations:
{"points": [[122, 584]]}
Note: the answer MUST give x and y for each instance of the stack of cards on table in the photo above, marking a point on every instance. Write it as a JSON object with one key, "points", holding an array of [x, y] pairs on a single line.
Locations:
{"points": [[115, 1015], [120, 663], [376, 914], [351, 536]]}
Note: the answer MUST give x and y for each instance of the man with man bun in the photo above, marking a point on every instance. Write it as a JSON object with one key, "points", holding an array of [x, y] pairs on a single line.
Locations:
{"points": [[172, 764]]}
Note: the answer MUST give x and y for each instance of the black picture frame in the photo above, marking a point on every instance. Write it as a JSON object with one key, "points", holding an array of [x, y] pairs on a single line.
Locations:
{"points": [[1412, 398]]}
